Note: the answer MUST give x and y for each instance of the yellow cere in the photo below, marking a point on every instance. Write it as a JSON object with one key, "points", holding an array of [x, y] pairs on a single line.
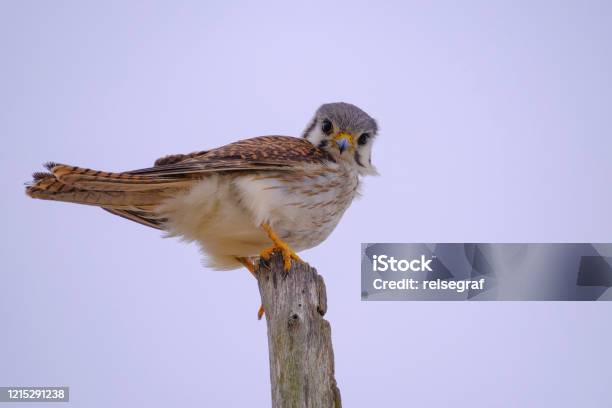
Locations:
{"points": [[347, 136]]}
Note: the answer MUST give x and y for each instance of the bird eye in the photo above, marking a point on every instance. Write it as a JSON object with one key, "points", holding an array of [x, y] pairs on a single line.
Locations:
{"points": [[363, 139], [327, 127]]}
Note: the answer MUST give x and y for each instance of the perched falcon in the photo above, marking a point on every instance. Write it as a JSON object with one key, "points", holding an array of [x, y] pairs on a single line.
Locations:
{"points": [[242, 200]]}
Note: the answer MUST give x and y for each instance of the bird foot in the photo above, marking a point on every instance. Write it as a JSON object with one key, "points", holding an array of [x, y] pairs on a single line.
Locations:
{"points": [[281, 246], [285, 250]]}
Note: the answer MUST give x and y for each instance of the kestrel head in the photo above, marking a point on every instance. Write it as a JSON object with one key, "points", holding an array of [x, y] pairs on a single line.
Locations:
{"points": [[346, 132]]}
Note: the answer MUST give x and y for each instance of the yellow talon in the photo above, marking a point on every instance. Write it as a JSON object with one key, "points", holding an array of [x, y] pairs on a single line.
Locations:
{"points": [[282, 246], [279, 244], [267, 253]]}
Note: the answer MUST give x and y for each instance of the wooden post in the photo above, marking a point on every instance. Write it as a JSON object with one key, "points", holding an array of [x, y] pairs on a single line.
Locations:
{"points": [[299, 339]]}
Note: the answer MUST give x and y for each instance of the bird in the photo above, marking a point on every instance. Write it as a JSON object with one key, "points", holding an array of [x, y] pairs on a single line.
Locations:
{"points": [[242, 201]]}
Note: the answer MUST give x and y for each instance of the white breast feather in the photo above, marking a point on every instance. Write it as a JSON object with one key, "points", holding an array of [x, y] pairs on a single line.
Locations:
{"points": [[223, 213]]}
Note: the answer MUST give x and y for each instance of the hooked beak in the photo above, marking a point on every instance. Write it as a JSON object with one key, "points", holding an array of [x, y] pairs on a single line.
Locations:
{"points": [[344, 140]]}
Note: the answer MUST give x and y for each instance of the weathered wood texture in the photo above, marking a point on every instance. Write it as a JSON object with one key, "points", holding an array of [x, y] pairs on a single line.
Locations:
{"points": [[299, 339]]}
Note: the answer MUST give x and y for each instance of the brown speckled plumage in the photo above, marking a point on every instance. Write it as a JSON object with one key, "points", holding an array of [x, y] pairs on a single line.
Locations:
{"points": [[220, 197]]}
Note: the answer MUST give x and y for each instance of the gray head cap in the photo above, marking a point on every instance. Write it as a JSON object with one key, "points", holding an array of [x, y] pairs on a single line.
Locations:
{"points": [[347, 117]]}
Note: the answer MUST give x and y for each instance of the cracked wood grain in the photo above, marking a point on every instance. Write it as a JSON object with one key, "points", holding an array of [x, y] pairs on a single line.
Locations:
{"points": [[299, 338]]}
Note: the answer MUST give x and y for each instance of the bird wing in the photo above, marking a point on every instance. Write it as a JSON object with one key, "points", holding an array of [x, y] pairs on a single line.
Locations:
{"points": [[145, 187], [258, 153]]}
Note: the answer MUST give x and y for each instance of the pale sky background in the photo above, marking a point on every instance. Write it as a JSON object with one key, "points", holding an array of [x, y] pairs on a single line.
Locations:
{"points": [[495, 122]]}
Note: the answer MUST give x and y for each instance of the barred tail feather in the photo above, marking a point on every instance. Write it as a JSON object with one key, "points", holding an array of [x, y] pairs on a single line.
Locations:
{"points": [[89, 179], [53, 189], [130, 196]]}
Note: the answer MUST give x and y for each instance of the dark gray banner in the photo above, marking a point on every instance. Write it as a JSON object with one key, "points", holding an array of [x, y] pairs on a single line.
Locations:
{"points": [[480, 271]]}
